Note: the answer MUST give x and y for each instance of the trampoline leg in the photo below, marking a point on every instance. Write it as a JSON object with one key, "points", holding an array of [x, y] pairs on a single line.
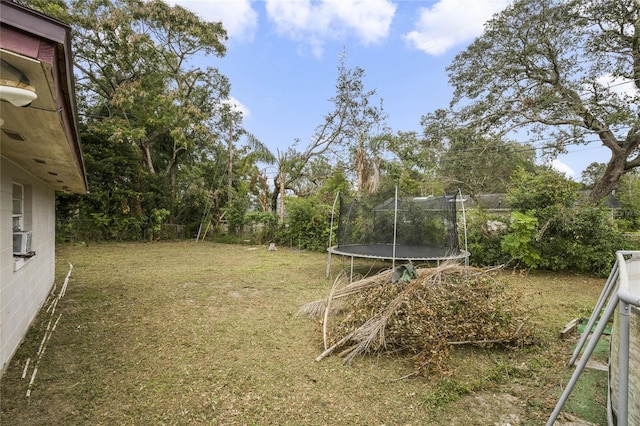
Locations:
{"points": [[351, 277]]}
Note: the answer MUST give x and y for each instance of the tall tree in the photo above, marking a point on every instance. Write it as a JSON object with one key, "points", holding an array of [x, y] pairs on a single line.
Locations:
{"points": [[230, 131], [548, 66], [628, 195], [592, 174], [415, 162], [346, 130], [137, 82], [368, 161], [55, 8], [243, 149], [482, 164], [469, 159]]}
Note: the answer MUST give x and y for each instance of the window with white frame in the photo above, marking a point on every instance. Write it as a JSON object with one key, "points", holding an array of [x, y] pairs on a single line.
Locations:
{"points": [[22, 222], [18, 207]]}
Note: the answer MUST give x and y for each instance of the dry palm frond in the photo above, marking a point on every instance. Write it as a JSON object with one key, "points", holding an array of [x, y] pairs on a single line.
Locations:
{"points": [[372, 331], [366, 335], [317, 308], [444, 306], [327, 311]]}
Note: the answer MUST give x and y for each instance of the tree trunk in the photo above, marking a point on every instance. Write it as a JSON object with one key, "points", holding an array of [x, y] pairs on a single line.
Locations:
{"points": [[146, 157], [361, 170], [264, 193], [610, 180], [282, 188], [274, 195], [635, 51], [173, 179]]}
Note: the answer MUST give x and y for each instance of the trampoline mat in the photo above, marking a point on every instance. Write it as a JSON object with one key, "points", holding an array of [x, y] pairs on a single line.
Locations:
{"points": [[385, 251]]}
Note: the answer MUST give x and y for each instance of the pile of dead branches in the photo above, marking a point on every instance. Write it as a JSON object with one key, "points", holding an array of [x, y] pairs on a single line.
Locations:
{"points": [[423, 318]]}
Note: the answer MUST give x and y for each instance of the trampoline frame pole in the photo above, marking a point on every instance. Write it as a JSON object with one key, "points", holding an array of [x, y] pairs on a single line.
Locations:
{"points": [[464, 224], [333, 211], [395, 229], [351, 276]]}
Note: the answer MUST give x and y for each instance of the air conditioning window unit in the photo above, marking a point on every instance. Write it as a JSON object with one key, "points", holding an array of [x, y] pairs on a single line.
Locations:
{"points": [[21, 242]]}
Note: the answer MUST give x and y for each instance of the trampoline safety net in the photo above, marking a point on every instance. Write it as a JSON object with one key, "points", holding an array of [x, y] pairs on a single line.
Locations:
{"points": [[425, 227]]}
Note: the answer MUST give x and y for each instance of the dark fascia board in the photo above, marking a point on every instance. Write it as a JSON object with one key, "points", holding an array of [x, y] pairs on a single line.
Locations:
{"points": [[33, 22], [43, 26]]}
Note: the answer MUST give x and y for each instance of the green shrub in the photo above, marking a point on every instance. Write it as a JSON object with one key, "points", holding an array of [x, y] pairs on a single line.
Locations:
{"points": [[266, 229], [547, 229], [586, 240], [307, 225], [522, 241], [484, 235]]}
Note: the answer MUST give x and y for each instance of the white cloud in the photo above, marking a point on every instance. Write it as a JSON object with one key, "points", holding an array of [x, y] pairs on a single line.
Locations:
{"points": [[451, 22], [238, 106], [314, 23], [237, 16], [561, 167]]}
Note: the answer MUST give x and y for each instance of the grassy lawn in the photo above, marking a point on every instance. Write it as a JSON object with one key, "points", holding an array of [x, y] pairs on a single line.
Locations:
{"points": [[204, 333]]}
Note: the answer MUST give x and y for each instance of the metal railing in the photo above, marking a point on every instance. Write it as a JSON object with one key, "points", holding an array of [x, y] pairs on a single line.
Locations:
{"points": [[619, 294]]}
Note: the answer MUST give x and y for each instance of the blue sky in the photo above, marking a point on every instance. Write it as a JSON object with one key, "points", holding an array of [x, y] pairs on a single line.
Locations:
{"points": [[282, 58]]}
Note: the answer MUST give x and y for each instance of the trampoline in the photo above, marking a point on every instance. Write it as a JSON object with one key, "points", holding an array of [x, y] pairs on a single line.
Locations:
{"points": [[393, 227], [386, 252]]}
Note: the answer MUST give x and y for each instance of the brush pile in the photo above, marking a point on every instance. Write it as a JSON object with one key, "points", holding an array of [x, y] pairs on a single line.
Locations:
{"points": [[421, 318]]}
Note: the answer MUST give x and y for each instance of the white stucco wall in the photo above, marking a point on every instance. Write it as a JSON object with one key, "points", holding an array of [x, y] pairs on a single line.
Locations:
{"points": [[23, 291]]}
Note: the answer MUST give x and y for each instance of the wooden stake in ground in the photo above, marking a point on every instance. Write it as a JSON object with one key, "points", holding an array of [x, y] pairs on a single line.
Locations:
{"points": [[26, 367], [33, 378], [63, 290], [47, 334]]}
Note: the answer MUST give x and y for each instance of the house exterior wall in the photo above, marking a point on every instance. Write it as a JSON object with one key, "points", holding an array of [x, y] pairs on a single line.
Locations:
{"points": [[24, 286]]}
